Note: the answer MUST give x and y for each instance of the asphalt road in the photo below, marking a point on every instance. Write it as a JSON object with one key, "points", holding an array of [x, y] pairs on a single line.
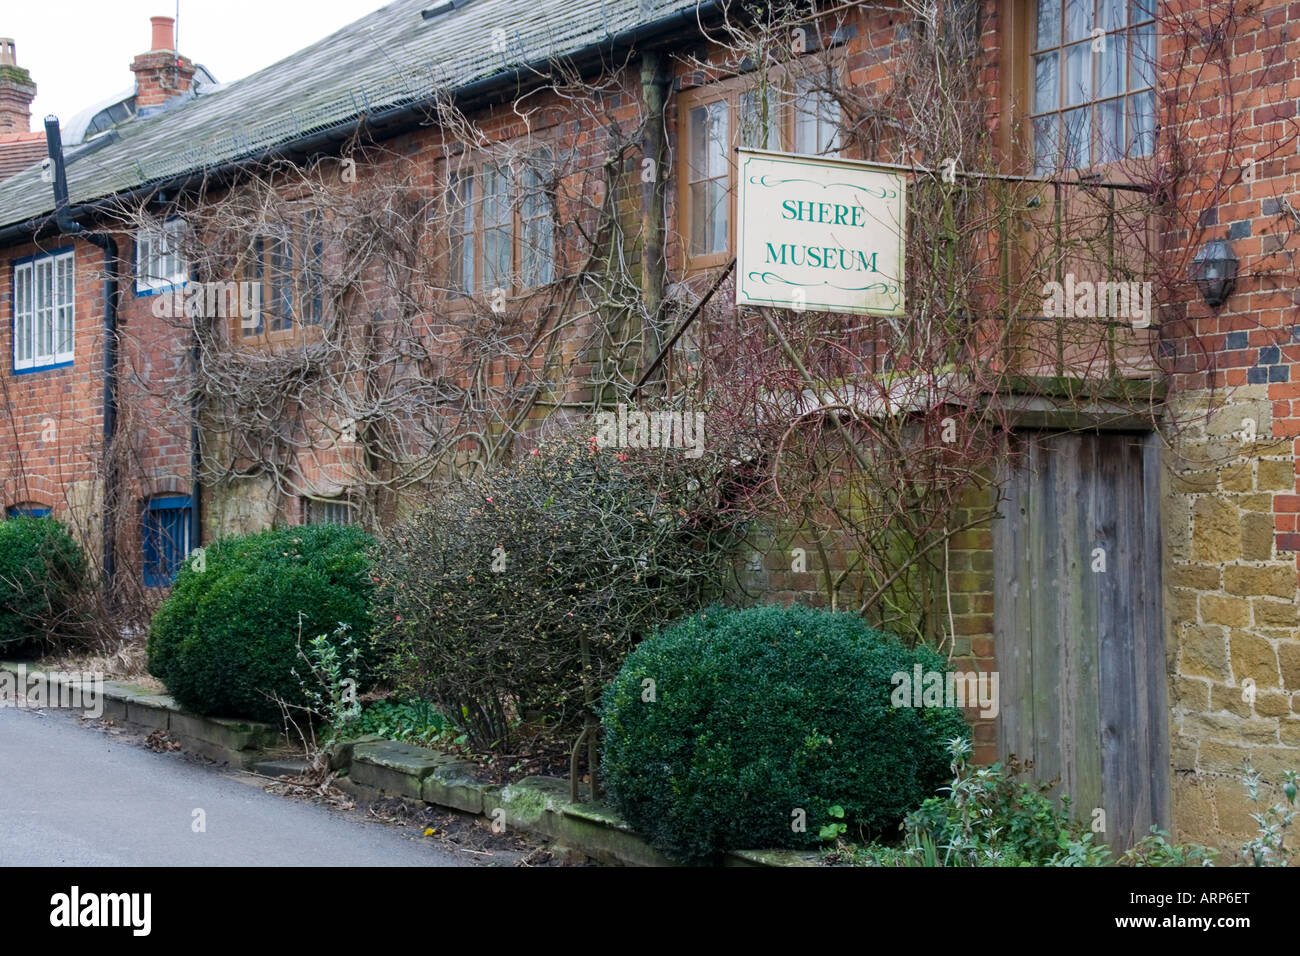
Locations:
{"points": [[74, 795]]}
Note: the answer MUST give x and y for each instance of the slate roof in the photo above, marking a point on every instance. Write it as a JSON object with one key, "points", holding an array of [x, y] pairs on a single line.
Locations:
{"points": [[390, 57]]}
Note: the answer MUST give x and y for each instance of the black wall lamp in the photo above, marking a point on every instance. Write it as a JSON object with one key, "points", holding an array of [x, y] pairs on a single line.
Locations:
{"points": [[1214, 269]]}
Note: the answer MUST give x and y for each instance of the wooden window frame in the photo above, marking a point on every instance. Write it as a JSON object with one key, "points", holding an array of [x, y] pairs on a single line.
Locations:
{"points": [[1019, 46], [306, 275], [462, 232], [469, 231], [732, 91]]}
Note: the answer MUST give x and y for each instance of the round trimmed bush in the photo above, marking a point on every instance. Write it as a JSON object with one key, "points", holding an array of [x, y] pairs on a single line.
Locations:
{"points": [[226, 641], [759, 713], [42, 573]]}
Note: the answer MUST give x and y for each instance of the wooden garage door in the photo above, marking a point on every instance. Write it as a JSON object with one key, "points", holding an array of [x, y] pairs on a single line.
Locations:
{"points": [[1081, 651]]}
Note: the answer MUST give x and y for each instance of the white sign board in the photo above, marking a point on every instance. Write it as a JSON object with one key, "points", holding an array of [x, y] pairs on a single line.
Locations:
{"points": [[817, 233]]}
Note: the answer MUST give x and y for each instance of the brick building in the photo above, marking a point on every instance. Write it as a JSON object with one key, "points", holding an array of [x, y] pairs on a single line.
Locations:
{"points": [[1137, 592]]}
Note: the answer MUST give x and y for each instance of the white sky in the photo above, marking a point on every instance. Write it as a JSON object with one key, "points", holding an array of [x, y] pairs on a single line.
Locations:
{"points": [[79, 51]]}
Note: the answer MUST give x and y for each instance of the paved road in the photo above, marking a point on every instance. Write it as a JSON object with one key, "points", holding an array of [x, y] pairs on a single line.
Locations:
{"points": [[73, 795]]}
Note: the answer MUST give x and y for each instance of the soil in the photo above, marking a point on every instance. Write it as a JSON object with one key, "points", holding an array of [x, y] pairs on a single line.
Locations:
{"points": [[464, 833], [507, 768]]}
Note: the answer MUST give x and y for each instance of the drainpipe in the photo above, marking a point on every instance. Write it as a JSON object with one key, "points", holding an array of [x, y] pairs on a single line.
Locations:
{"points": [[654, 95], [196, 487], [112, 272]]}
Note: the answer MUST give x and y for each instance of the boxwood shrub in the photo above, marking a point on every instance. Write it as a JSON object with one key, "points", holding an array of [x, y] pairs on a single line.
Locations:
{"points": [[226, 639], [720, 728], [42, 576]]}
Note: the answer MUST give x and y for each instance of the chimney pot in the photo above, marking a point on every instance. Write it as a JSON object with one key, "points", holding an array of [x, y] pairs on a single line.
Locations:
{"points": [[163, 33], [8, 54], [161, 74]]}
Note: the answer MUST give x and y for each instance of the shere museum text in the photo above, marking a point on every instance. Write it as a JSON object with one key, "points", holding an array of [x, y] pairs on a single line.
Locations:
{"points": [[822, 257]]}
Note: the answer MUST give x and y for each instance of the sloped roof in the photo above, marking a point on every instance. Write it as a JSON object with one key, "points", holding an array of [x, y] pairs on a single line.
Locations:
{"points": [[99, 116], [388, 58], [18, 151]]}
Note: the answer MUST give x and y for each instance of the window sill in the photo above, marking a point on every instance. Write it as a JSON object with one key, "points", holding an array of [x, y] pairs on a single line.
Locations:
{"points": [[145, 292], [42, 368], [694, 265], [1116, 171], [540, 287], [282, 339]]}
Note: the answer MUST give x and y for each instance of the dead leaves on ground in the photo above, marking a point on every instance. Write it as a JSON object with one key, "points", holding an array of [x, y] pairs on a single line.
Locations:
{"points": [[160, 743]]}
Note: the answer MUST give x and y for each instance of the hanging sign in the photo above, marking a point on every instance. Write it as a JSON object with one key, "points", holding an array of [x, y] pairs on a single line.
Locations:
{"points": [[818, 233]]}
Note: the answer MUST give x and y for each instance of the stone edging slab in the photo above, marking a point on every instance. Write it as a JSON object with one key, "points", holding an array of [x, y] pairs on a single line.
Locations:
{"points": [[536, 805], [237, 742]]}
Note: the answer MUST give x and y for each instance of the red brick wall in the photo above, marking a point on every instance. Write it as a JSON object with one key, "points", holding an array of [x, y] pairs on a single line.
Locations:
{"points": [[62, 402], [67, 403]]}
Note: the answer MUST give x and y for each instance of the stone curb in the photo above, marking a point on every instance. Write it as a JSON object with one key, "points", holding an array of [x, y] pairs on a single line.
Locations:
{"points": [[237, 742], [535, 805]]}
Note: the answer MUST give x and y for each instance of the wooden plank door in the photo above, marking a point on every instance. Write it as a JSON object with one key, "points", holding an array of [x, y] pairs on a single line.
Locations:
{"points": [[1080, 652]]}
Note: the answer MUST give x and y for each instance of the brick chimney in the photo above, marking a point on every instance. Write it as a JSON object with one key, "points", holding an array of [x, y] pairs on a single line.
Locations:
{"points": [[16, 91], [161, 74]]}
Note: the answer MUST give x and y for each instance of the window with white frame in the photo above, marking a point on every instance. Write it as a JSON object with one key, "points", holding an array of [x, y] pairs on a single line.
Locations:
{"points": [[44, 307], [159, 261]]}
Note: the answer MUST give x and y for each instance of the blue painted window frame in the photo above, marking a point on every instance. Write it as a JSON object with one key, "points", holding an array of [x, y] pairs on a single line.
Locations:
{"points": [[165, 538], [27, 511], [62, 252]]}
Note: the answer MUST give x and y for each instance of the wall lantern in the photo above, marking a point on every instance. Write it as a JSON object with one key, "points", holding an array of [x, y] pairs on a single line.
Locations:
{"points": [[1214, 269]]}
